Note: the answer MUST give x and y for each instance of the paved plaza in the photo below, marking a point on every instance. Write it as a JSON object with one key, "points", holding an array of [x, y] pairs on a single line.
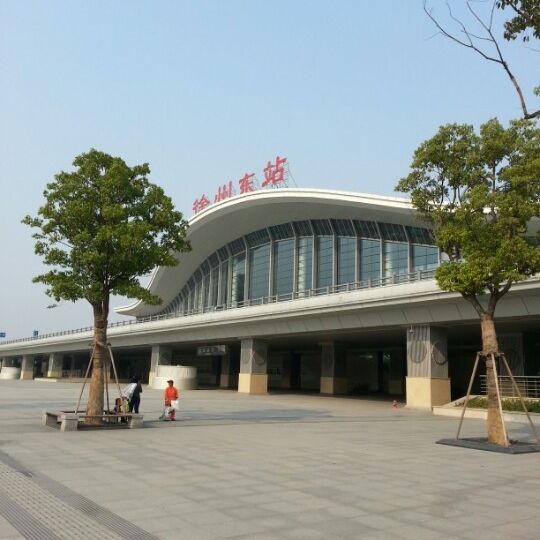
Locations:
{"points": [[235, 466]]}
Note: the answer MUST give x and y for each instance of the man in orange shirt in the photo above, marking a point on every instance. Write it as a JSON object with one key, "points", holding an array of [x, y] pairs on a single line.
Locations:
{"points": [[171, 394]]}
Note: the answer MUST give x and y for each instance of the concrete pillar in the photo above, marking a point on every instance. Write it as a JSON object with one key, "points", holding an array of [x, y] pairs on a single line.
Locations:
{"points": [[333, 370], [427, 382], [54, 370], [161, 355], [253, 378], [27, 367]]}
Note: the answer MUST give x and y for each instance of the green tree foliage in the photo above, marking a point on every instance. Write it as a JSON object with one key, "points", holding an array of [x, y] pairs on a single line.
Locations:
{"points": [[102, 227], [526, 18], [480, 192]]}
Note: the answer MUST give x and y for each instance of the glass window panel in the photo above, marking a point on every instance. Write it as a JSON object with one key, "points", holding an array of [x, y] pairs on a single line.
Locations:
{"points": [[237, 246], [325, 260], [224, 281], [302, 228], [280, 232], [223, 253], [200, 294], [396, 260], [214, 285], [214, 260], [259, 271], [322, 227], [283, 266], [393, 232], [305, 263], [206, 291], [370, 260], [257, 238], [238, 278], [205, 268], [343, 227], [419, 235], [424, 257], [366, 229], [346, 258]]}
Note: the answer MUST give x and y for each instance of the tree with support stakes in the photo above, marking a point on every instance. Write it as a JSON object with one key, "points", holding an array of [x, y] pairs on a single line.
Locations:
{"points": [[101, 228], [481, 192]]}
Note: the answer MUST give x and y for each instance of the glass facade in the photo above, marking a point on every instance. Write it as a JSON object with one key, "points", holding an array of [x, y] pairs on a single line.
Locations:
{"points": [[424, 257], [298, 257], [396, 259], [305, 264], [370, 260], [325, 261], [283, 267], [238, 278], [259, 270], [346, 260]]}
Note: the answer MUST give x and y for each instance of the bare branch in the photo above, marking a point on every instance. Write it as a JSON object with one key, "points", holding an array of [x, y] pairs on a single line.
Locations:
{"points": [[470, 44]]}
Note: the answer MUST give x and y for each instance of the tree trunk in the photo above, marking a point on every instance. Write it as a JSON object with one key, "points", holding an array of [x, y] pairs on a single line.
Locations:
{"points": [[490, 346], [95, 394]]}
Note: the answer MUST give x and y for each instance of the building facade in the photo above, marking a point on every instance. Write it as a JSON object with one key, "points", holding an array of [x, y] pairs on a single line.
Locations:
{"points": [[304, 290]]}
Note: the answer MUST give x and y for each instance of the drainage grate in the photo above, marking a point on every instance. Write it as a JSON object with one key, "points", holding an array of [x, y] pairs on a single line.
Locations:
{"points": [[42, 508]]}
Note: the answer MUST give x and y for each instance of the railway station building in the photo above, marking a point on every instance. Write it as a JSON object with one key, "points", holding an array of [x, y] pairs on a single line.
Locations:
{"points": [[303, 290]]}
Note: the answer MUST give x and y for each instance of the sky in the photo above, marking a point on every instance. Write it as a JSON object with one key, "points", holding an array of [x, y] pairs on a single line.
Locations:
{"points": [[205, 91]]}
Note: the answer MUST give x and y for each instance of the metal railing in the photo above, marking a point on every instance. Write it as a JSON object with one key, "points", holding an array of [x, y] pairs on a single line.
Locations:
{"points": [[72, 373], [529, 386], [412, 277]]}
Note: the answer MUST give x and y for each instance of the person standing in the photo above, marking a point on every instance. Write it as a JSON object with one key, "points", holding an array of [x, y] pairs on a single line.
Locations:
{"points": [[135, 399], [171, 394]]}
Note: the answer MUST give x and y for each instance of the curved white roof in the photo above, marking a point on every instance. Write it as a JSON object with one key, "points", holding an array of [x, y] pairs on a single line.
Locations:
{"points": [[232, 218]]}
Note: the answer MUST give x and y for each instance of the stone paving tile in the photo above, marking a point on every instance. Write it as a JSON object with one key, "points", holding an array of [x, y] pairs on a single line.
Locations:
{"points": [[305, 533], [283, 466], [376, 521], [7, 530], [230, 529], [414, 532]]}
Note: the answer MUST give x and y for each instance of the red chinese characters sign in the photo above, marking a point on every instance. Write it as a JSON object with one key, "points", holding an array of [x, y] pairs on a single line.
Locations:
{"points": [[274, 175]]}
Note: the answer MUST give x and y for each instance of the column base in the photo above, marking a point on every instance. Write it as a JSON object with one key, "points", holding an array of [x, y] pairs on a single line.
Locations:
{"points": [[334, 385], [27, 375], [251, 383], [427, 392]]}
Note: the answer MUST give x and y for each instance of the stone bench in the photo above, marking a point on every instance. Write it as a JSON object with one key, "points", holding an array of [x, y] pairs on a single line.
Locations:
{"points": [[69, 421]]}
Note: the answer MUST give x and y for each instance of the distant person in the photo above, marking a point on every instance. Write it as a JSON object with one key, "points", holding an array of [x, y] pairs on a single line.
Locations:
{"points": [[135, 399], [171, 394]]}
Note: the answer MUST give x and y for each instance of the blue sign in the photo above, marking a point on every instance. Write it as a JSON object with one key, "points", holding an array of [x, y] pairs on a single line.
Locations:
{"points": [[2, 334], [35, 333]]}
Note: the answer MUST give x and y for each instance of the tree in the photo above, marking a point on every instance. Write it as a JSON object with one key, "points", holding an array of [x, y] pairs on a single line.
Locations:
{"points": [[480, 192], [102, 227], [526, 17], [482, 39]]}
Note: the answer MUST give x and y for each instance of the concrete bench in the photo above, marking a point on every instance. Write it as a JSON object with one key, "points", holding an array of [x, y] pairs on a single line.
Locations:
{"points": [[69, 421]]}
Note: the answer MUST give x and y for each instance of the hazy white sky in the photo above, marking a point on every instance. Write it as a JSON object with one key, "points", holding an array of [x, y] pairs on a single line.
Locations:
{"points": [[207, 90]]}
